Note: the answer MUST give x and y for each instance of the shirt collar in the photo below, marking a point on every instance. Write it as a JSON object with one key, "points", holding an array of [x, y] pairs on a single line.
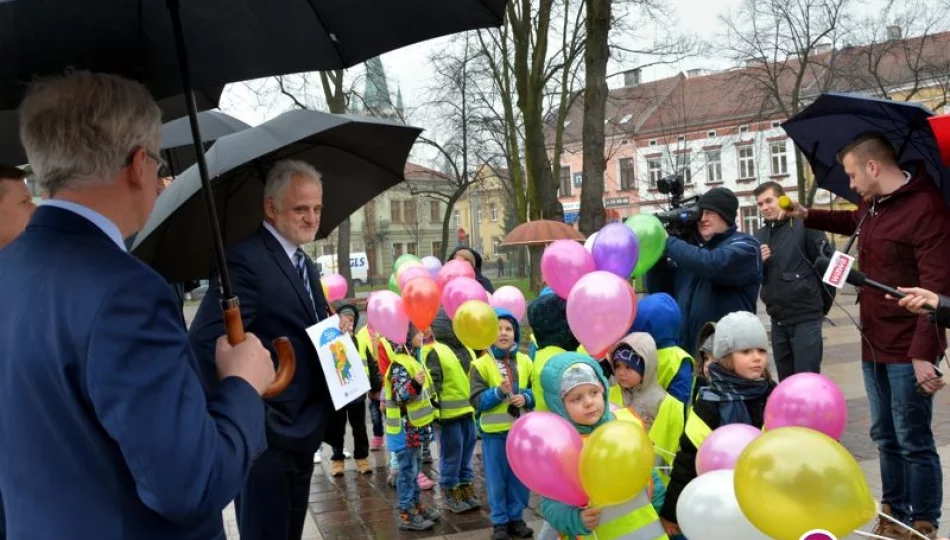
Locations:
{"points": [[105, 224], [289, 247]]}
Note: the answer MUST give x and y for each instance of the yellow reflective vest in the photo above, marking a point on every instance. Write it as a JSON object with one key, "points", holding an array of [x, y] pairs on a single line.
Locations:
{"points": [[419, 410], [668, 362], [453, 400], [497, 419], [665, 432], [541, 358]]}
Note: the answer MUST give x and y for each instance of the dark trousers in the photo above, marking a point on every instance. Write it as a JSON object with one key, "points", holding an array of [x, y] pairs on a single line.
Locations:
{"points": [[377, 417], [273, 504], [456, 447], [797, 348], [356, 413]]}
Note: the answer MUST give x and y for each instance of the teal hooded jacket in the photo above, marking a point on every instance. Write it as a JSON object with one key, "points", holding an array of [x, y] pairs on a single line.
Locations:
{"points": [[566, 519]]}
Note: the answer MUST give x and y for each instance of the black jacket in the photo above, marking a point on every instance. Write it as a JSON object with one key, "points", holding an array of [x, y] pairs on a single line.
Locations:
{"points": [[479, 277], [942, 315], [792, 290]]}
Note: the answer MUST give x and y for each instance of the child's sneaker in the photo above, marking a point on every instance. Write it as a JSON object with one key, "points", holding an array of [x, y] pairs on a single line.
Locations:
{"points": [[424, 482], [430, 514], [500, 532], [455, 501], [520, 529], [468, 494], [336, 467], [363, 466], [376, 444], [391, 477], [412, 521]]}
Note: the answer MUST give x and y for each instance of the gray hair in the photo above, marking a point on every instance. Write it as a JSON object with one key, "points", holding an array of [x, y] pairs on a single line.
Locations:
{"points": [[79, 129], [278, 178]]}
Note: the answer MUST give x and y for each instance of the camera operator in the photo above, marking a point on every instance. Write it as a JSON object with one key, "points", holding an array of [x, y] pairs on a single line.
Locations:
{"points": [[717, 275]]}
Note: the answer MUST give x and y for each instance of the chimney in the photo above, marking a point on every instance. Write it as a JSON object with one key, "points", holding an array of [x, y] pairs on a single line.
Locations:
{"points": [[894, 32], [755, 60], [631, 77], [697, 72], [821, 48]]}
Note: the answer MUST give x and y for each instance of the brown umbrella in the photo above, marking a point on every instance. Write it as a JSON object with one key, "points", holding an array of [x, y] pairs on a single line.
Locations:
{"points": [[541, 232]]}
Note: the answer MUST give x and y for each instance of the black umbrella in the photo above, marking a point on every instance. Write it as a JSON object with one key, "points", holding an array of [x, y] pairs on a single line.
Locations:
{"points": [[359, 158], [12, 153], [231, 40], [178, 144]]}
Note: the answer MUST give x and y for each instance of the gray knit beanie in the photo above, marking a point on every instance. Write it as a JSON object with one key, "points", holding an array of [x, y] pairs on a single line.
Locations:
{"points": [[738, 331]]}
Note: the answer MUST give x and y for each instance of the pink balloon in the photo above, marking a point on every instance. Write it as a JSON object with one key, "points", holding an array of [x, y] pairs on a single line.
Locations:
{"points": [[336, 287], [808, 400], [600, 310], [563, 263], [510, 298], [411, 273], [461, 290], [432, 264], [452, 270], [722, 447], [544, 451], [387, 315]]}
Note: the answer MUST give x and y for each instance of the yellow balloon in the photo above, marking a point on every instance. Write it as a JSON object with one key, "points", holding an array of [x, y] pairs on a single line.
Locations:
{"points": [[476, 324], [616, 463], [793, 479]]}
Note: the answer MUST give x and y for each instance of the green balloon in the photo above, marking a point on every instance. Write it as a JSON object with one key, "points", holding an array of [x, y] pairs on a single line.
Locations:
{"points": [[393, 285], [404, 258], [652, 239]]}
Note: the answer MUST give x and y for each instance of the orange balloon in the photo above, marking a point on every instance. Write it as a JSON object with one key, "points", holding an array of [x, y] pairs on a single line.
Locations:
{"points": [[422, 299]]}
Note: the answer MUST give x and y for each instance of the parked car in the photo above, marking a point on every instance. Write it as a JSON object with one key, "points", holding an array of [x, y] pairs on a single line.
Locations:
{"points": [[359, 267]]}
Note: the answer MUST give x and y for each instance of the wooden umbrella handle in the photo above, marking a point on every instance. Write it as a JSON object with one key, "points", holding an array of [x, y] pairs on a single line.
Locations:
{"points": [[286, 360]]}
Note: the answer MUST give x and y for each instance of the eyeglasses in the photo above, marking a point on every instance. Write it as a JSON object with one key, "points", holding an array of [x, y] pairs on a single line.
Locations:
{"points": [[162, 165]]}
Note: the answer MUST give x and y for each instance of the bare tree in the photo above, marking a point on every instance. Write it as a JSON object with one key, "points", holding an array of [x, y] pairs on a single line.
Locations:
{"points": [[788, 47]]}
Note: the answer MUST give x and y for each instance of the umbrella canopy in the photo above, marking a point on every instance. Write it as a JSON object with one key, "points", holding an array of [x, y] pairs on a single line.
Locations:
{"points": [[12, 153], [834, 120], [178, 147], [541, 232], [227, 40], [358, 157]]}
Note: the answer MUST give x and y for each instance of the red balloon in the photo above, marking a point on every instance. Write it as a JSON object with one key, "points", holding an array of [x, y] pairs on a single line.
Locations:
{"points": [[422, 298], [454, 269]]}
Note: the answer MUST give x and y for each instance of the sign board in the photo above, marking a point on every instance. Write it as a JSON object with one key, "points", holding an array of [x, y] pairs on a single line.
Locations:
{"points": [[342, 366]]}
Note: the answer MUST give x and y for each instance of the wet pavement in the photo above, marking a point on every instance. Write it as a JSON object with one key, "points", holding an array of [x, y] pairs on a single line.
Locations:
{"points": [[363, 507]]}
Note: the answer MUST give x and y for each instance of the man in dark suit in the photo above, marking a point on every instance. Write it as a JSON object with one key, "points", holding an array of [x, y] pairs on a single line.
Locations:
{"points": [[280, 294], [109, 432]]}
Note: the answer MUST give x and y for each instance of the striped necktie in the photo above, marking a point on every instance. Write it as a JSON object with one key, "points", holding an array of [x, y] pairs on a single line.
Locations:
{"points": [[300, 261]]}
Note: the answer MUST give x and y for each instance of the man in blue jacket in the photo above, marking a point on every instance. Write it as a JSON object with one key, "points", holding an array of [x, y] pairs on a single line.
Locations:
{"points": [[108, 430], [718, 275]]}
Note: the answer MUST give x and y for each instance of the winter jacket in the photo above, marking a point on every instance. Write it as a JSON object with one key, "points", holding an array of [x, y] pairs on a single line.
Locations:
{"points": [[942, 315], [659, 315], [904, 241], [709, 280], [479, 277], [792, 290]]}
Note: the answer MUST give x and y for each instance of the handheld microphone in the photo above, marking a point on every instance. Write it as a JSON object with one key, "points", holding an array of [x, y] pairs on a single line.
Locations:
{"points": [[859, 279], [785, 203]]}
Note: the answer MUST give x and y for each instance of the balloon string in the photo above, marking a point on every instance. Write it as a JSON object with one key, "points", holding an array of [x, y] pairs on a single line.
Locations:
{"points": [[667, 452], [869, 535], [902, 525]]}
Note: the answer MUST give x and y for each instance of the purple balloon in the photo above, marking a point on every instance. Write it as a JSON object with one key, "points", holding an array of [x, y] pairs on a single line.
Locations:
{"points": [[544, 451], [722, 447], [616, 250], [808, 400], [432, 264]]}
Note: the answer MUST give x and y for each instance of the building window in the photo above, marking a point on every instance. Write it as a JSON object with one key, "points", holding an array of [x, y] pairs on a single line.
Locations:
{"points": [[435, 212], [412, 248], [457, 216], [776, 123], [779, 158], [743, 129], [397, 250], [578, 179], [495, 245], [409, 211], [746, 162], [493, 209], [655, 170], [681, 138], [682, 167], [478, 213], [750, 219], [628, 180], [652, 142], [565, 182], [395, 211], [713, 167], [437, 249], [711, 133]]}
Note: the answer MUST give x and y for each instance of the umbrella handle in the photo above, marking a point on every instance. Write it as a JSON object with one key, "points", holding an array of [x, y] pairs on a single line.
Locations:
{"points": [[286, 360]]}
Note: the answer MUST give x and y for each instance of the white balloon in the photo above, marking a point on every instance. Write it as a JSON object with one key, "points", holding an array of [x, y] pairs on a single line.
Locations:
{"points": [[589, 243], [708, 510]]}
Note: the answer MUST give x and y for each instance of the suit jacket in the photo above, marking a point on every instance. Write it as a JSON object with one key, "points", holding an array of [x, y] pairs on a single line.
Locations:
{"points": [[274, 304], [108, 430]]}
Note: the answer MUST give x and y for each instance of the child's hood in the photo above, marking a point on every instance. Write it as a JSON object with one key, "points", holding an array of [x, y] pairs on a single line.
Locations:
{"points": [[443, 332], [551, 384], [648, 395], [547, 316], [659, 315]]}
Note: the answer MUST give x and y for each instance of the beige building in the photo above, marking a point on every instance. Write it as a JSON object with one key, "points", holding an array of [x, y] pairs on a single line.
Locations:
{"points": [[483, 213]]}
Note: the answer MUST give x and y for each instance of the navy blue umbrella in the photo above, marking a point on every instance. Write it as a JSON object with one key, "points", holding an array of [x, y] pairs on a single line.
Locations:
{"points": [[834, 120]]}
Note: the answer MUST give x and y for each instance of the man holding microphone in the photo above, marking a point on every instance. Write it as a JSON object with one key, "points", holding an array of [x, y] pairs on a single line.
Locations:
{"points": [[904, 228]]}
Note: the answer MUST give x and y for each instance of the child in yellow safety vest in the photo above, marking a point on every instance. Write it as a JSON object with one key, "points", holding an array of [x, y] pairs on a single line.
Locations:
{"points": [[501, 392], [576, 390], [739, 386], [659, 315], [633, 361], [409, 416], [547, 316]]}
